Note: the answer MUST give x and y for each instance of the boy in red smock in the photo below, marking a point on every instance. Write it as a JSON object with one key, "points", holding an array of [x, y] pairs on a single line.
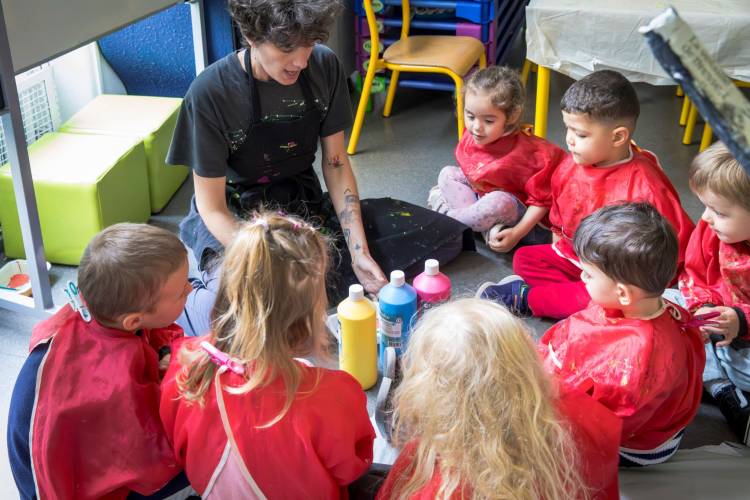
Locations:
{"points": [[84, 415], [603, 168], [630, 349], [717, 280]]}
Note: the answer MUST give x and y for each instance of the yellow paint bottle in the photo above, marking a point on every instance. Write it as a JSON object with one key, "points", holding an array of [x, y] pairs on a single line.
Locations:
{"points": [[357, 337]]}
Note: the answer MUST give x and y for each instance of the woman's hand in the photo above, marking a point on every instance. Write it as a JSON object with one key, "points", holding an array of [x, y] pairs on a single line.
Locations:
{"points": [[368, 273]]}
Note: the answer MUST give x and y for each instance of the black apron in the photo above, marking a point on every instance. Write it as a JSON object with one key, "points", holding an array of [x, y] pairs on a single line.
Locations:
{"points": [[273, 169]]}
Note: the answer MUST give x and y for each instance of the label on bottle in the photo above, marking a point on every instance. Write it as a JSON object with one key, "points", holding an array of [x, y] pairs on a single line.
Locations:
{"points": [[391, 330]]}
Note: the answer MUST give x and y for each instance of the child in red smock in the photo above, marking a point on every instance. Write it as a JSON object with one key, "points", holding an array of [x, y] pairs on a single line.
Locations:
{"points": [[635, 352], [495, 156], [253, 421], [479, 418], [603, 168], [84, 415], [717, 280]]}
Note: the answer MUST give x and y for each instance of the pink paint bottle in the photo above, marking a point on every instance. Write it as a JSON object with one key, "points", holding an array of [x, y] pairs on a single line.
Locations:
{"points": [[432, 286]]}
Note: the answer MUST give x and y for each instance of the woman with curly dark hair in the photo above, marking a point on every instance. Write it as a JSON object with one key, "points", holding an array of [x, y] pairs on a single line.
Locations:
{"points": [[249, 128]]}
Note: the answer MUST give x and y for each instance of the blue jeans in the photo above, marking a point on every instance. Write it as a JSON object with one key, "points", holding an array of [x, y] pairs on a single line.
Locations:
{"points": [[196, 317], [728, 363]]}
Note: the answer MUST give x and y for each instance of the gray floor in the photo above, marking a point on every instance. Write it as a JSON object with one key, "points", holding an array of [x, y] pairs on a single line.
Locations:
{"points": [[400, 157]]}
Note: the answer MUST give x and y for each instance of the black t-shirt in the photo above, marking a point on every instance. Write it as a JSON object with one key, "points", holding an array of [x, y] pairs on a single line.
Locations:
{"points": [[216, 113]]}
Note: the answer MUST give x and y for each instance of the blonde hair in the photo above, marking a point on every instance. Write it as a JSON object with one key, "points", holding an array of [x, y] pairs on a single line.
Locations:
{"points": [[124, 267], [270, 307], [504, 88], [718, 171], [481, 409]]}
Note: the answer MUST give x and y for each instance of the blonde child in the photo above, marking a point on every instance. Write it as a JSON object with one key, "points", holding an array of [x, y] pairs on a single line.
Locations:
{"points": [[631, 350], [84, 415], [480, 419], [251, 419], [717, 280], [495, 157], [603, 168]]}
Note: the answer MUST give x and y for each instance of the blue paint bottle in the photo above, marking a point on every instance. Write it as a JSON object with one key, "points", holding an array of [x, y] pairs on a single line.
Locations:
{"points": [[397, 309]]}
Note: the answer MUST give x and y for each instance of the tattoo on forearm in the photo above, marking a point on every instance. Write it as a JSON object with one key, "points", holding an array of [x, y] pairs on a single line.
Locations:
{"points": [[347, 217], [334, 162], [351, 209]]}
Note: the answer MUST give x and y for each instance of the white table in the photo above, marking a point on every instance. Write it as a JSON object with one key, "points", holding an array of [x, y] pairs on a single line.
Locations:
{"points": [[578, 37]]}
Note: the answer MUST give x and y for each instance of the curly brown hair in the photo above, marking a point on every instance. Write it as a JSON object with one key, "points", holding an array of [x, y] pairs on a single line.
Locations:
{"points": [[287, 24]]}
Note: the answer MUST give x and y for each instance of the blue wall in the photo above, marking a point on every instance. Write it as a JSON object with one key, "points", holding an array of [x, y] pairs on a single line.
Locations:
{"points": [[155, 56]]}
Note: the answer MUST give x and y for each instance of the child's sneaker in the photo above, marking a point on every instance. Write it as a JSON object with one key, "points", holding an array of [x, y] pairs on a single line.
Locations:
{"points": [[511, 291], [734, 406], [436, 202], [384, 401]]}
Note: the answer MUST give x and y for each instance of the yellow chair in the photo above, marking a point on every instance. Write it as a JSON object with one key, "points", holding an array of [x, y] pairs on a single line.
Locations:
{"points": [[446, 55]]}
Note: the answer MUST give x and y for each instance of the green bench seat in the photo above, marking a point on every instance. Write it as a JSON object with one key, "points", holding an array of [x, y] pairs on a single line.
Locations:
{"points": [[151, 119], [83, 183]]}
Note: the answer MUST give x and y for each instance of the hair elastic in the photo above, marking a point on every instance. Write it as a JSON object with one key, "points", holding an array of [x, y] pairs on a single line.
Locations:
{"points": [[222, 359], [260, 221]]}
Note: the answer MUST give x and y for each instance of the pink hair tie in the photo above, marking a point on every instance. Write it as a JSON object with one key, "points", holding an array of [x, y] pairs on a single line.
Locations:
{"points": [[222, 359]]}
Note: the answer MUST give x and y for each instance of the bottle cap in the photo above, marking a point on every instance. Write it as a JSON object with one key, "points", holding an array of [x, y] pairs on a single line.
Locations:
{"points": [[431, 267], [397, 278], [356, 292]]}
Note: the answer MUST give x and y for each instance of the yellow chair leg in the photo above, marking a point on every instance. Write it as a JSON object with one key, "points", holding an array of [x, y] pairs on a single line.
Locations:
{"points": [[542, 101], [483, 61], [391, 95], [685, 111], [361, 108], [687, 138], [706, 138], [525, 72], [459, 104], [679, 92]]}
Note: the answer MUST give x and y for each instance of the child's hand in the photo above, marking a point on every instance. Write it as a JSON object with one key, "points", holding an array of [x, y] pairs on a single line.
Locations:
{"points": [[728, 324], [164, 362], [505, 240]]}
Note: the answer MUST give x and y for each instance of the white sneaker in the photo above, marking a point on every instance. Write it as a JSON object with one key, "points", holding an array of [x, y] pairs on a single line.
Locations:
{"points": [[436, 202]]}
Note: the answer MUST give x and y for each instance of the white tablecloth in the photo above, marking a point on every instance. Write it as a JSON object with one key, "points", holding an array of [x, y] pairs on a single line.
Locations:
{"points": [[577, 37]]}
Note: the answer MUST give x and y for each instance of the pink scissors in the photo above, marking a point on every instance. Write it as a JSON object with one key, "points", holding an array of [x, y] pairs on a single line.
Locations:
{"points": [[704, 319], [222, 359]]}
